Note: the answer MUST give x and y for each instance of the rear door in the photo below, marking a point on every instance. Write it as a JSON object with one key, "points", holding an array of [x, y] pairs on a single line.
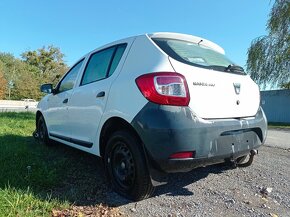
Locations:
{"points": [[88, 101]]}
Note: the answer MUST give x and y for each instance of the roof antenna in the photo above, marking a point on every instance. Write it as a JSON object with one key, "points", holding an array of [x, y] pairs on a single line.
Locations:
{"points": [[200, 41]]}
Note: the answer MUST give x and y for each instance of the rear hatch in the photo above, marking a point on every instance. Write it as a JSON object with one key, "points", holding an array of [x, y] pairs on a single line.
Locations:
{"points": [[217, 87]]}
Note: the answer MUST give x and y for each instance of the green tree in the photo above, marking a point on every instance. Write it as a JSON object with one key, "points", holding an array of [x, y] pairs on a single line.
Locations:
{"points": [[27, 85], [286, 85], [269, 55], [26, 79], [3, 83], [47, 60], [44, 65]]}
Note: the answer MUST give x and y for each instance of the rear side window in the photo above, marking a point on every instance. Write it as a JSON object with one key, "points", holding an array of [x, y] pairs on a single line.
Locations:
{"points": [[118, 55], [197, 55], [98, 66], [103, 64]]}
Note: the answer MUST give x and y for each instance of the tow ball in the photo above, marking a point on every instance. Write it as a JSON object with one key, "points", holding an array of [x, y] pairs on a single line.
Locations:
{"points": [[238, 162]]}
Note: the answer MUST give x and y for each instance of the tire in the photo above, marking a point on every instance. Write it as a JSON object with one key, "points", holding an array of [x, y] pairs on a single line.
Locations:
{"points": [[42, 132], [126, 168]]}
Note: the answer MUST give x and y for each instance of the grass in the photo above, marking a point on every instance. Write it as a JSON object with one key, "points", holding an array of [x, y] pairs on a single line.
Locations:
{"points": [[15, 202], [278, 125], [35, 179]]}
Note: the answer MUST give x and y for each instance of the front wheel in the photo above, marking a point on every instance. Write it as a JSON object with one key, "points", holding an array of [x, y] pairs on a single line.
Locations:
{"points": [[126, 167], [42, 132]]}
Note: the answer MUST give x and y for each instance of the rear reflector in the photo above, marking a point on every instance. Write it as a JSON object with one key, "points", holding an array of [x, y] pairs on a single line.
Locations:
{"points": [[164, 88], [181, 155]]}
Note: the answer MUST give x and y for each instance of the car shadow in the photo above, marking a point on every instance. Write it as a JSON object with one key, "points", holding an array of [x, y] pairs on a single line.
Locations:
{"points": [[66, 174], [177, 182]]}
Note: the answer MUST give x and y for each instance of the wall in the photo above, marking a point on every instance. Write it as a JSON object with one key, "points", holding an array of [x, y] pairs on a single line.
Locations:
{"points": [[17, 106], [276, 105]]}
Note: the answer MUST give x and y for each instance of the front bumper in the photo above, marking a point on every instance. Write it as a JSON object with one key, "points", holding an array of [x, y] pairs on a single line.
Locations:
{"points": [[166, 130]]}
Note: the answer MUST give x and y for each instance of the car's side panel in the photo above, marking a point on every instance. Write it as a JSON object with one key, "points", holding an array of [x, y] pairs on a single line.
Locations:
{"points": [[86, 109], [126, 100], [54, 107], [56, 113]]}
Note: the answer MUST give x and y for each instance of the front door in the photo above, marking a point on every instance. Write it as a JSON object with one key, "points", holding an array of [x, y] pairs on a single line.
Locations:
{"points": [[56, 116]]}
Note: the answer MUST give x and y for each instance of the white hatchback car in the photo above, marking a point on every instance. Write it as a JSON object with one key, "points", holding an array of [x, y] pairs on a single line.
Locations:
{"points": [[154, 104]]}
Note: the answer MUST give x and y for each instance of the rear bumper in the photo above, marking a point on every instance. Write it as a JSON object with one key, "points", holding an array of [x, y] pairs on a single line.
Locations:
{"points": [[166, 130]]}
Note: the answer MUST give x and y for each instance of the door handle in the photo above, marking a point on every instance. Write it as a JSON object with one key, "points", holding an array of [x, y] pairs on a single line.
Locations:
{"points": [[101, 94], [65, 101]]}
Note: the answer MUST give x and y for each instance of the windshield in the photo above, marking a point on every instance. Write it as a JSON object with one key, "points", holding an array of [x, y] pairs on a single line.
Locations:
{"points": [[197, 55]]}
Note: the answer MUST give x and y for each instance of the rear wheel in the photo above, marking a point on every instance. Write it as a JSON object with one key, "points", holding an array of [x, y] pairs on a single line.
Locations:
{"points": [[126, 167], [42, 132]]}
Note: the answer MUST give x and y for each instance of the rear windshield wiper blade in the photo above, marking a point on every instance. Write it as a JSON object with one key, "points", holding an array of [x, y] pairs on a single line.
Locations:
{"points": [[234, 68]]}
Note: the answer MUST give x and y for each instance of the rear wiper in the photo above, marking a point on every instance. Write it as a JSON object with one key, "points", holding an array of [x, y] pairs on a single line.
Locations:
{"points": [[234, 68], [230, 69]]}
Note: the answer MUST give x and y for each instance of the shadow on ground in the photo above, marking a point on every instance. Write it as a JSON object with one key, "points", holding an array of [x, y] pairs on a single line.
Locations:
{"points": [[72, 175]]}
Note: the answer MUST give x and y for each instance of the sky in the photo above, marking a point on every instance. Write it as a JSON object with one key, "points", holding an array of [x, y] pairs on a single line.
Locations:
{"points": [[77, 27]]}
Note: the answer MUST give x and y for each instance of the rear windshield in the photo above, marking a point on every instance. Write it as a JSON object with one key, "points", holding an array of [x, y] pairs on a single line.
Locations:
{"points": [[197, 55]]}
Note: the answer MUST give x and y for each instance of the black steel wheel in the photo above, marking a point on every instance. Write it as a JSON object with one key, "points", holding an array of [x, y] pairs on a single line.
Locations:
{"points": [[123, 167], [42, 133], [126, 167]]}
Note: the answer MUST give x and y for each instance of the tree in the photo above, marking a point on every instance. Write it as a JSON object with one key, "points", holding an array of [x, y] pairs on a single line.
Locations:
{"points": [[44, 65], [26, 79], [3, 83], [269, 55], [27, 85], [47, 60], [286, 85]]}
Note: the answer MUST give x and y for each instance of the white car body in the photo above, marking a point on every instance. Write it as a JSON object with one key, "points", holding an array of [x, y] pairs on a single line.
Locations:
{"points": [[222, 105]]}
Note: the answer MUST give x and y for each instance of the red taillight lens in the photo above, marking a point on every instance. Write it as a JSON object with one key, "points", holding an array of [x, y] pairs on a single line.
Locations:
{"points": [[181, 155], [165, 88]]}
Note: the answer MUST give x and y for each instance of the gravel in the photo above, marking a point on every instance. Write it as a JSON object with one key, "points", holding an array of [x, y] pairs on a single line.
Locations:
{"points": [[263, 189]]}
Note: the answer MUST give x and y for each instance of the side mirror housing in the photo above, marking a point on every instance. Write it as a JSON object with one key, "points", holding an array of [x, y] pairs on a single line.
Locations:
{"points": [[46, 88]]}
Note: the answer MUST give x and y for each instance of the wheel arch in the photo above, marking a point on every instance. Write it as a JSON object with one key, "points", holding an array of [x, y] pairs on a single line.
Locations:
{"points": [[37, 116], [112, 125]]}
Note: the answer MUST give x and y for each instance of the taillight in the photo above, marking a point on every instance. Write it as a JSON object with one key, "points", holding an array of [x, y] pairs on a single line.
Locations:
{"points": [[165, 88]]}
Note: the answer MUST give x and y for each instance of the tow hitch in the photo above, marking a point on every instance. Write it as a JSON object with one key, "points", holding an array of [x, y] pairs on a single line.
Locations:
{"points": [[250, 161], [239, 162]]}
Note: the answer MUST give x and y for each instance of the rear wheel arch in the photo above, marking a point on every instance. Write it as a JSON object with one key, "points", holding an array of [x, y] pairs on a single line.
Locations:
{"points": [[112, 125], [117, 137]]}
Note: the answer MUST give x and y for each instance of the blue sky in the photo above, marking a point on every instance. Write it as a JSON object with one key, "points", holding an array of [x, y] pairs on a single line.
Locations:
{"points": [[77, 27]]}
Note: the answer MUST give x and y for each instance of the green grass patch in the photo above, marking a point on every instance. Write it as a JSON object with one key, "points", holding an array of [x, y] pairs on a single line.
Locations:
{"points": [[34, 179], [17, 202], [278, 125]]}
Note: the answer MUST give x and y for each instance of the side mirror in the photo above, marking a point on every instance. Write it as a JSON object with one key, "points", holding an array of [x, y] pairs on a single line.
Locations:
{"points": [[46, 88]]}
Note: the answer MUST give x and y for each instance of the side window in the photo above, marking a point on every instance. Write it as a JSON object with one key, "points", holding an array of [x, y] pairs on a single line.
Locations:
{"points": [[69, 80], [118, 55], [98, 66]]}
